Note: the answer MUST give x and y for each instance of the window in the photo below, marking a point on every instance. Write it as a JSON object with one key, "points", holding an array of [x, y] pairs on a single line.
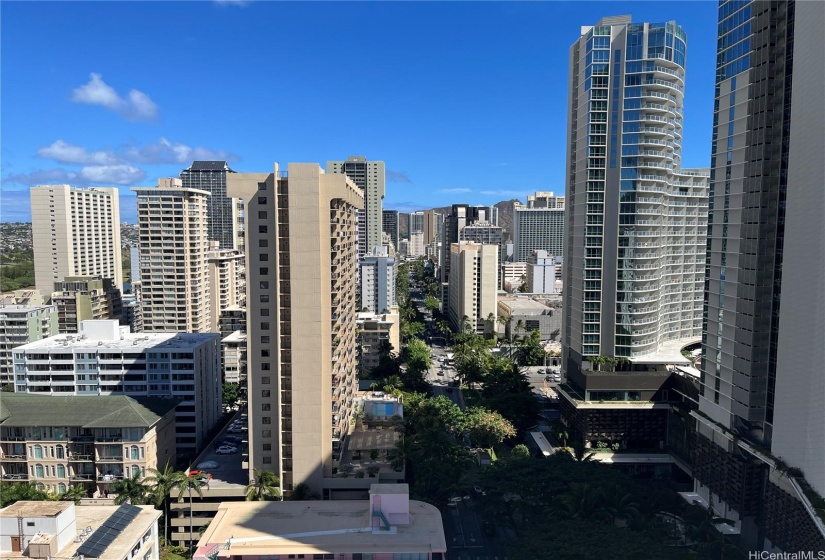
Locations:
{"points": [[264, 271], [61, 471], [265, 380], [264, 326], [134, 453], [264, 340], [262, 229], [37, 452], [265, 352], [265, 393], [263, 257], [261, 200], [266, 420], [264, 284], [263, 243], [262, 214], [58, 452], [267, 459], [38, 471]]}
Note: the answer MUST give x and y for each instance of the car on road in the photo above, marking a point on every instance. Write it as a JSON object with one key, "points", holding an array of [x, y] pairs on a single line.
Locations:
{"points": [[226, 450]]}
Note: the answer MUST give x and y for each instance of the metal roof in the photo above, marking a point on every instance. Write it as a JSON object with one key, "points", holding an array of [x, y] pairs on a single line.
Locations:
{"points": [[115, 411]]}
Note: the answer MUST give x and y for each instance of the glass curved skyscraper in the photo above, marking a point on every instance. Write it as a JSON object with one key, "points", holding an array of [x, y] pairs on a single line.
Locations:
{"points": [[636, 221]]}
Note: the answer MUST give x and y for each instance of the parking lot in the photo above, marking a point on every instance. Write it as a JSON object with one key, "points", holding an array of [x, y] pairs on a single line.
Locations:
{"points": [[229, 471]]}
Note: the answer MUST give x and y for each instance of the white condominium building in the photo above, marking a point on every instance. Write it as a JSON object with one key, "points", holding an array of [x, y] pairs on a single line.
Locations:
{"points": [[105, 359]]}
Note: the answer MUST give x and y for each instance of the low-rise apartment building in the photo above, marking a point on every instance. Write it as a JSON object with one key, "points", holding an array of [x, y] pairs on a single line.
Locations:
{"points": [[60, 442], [19, 325], [106, 359], [373, 331], [64, 530], [388, 526]]}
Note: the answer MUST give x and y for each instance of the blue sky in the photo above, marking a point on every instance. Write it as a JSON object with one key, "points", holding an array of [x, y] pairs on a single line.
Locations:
{"points": [[464, 101]]}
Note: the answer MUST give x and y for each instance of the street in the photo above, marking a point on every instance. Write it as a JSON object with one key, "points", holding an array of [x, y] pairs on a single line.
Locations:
{"points": [[462, 526]]}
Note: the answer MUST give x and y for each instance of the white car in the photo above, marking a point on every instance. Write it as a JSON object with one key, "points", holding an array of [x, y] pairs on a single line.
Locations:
{"points": [[226, 450]]}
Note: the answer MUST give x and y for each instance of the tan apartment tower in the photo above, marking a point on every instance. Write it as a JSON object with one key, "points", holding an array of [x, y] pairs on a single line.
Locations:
{"points": [[370, 177], [301, 242], [75, 232], [473, 285], [173, 224]]}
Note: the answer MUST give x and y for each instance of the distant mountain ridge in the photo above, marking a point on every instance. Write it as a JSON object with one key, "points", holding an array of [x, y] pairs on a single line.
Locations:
{"points": [[505, 217]]}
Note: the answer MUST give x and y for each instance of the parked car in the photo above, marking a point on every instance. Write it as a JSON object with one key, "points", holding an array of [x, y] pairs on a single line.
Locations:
{"points": [[195, 472], [235, 430], [208, 465], [232, 440], [226, 450]]}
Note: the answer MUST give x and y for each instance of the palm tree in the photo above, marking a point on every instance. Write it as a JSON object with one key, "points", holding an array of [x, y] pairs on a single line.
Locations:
{"points": [[581, 455], [74, 494], [303, 492], [596, 362], [195, 483], [163, 482], [130, 490], [264, 486]]}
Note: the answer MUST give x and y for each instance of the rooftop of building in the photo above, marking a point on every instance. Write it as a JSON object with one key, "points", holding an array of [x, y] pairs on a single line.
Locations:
{"points": [[115, 411], [19, 309], [123, 527], [208, 166], [310, 527], [524, 306], [236, 337], [96, 336], [35, 509], [669, 352]]}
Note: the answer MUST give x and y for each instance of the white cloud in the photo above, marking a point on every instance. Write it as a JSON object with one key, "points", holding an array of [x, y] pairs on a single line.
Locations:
{"points": [[54, 176], [136, 107], [164, 151], [161, 152], [455, 191], [112, 174], [64, 152]]}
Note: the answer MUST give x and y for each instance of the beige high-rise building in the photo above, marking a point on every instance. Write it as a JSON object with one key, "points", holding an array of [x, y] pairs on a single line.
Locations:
{"points": [[80, 298], [75, 232], [301, 243], [473, 285], [173, 223], [227, 283]]}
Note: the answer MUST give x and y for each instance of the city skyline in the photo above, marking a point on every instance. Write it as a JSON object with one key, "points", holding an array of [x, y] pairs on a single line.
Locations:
{"points": [[103, 117]]}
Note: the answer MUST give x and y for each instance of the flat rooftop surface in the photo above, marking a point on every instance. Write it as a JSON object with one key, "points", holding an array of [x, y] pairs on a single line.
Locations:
{"points": [[17, 308], [524, 305], [669, 352], [136, 342], [34, 509], [94, 517], [260, 528]]}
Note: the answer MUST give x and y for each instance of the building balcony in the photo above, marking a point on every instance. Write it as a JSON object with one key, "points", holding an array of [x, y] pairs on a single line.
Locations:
{"points": [[13, 458]]}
